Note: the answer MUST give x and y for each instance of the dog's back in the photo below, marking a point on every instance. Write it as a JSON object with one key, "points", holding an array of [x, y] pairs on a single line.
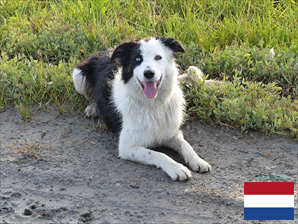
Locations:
{"points": [[93, 79]]}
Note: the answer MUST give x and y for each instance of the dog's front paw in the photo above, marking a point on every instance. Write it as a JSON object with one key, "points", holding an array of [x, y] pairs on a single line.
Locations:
{"points": [[91, 110], [199, 165], [178, 172]]}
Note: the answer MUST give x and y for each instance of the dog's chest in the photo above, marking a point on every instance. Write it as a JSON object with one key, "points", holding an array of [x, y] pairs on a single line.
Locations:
{"points": [[151, 125]]}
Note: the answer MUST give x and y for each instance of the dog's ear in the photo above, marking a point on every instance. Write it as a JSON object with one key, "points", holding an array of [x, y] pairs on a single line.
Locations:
{"points": [[122, 53], [171, 43]]}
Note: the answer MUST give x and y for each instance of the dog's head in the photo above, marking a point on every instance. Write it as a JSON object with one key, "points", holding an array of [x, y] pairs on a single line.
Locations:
{"points": [[147, 62]]}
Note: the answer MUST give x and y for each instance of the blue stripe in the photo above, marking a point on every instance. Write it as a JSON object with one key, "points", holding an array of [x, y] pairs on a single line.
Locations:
{"points": [[268, 213]]}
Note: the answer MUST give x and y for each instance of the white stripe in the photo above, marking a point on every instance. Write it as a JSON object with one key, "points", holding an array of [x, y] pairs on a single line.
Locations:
{"points": [[271, 201]]}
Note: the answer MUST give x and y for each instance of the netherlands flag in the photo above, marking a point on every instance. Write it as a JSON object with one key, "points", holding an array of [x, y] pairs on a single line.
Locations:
{"points": [[268, 200]]}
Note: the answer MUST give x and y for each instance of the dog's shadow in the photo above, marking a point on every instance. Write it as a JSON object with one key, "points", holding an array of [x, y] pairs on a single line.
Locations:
{"points": [[171, 153]]}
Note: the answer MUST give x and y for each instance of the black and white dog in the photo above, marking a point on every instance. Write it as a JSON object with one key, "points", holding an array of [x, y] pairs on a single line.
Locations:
{"points": [[137, 94]]}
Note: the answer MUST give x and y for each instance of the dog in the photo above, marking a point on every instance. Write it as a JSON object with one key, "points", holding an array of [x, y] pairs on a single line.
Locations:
{"points": [[136, 93]]}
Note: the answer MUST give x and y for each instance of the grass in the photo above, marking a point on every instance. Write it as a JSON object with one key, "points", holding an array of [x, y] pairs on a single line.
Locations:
{"points": [[41, 42], [28, 151]]}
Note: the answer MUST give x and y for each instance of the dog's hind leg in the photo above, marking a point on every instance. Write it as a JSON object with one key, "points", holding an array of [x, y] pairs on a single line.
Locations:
{"points": [[81, 87]]}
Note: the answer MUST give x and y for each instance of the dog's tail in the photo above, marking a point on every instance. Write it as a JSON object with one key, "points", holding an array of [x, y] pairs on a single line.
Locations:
{"points": [[85, 74], [96, 69], [84, 78], [81, 84]]}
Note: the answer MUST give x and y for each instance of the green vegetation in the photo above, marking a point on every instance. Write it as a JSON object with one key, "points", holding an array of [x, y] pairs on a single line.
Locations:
{"points": [[244, 104], [41, 41]]}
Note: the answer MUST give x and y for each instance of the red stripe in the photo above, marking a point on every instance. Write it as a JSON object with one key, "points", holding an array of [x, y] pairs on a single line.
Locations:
{"points": [[269, 188]]}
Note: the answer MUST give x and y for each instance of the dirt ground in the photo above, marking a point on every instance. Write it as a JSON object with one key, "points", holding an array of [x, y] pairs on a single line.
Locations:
{"points": [[62, 169]]}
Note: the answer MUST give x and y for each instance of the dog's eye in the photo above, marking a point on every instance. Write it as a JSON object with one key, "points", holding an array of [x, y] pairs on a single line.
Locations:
{"points": [[139, 58], [157, 57]]}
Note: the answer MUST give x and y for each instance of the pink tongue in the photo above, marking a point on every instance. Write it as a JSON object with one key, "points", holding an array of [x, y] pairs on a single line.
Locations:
{"points": [[150, 89]]}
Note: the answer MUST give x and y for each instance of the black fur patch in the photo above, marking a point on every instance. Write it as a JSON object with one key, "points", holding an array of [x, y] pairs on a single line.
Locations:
{"points": [[99, 71], [126, 54], [171, 43]]}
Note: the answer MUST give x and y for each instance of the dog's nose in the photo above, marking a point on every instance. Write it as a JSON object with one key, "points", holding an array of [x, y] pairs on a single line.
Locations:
{"points": [[148, 74]]}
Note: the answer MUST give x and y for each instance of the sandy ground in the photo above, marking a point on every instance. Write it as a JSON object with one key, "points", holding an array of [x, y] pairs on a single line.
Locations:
{"points": [[62, 169]]}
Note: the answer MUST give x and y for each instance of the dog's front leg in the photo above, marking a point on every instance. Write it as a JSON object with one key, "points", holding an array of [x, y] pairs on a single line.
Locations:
{"points": [[149, 157], [179, 144]]}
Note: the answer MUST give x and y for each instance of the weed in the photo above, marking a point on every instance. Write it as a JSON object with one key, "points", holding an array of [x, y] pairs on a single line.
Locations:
{"points": [[24, 110], [28, 151]]}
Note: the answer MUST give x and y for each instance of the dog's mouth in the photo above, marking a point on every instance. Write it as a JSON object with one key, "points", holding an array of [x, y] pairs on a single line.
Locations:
{"points": [[150, 88]]}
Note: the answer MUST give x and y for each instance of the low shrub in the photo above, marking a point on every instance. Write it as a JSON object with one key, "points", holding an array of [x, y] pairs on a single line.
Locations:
{"points": [[244, 104], [25, 81], [251, 63]]}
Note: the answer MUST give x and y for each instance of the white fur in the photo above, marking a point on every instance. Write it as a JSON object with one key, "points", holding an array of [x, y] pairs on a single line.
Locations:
{"points": [[149, 50], [91, 110], [80, 86], [79, 82], [153, 122], [195, 72]]}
